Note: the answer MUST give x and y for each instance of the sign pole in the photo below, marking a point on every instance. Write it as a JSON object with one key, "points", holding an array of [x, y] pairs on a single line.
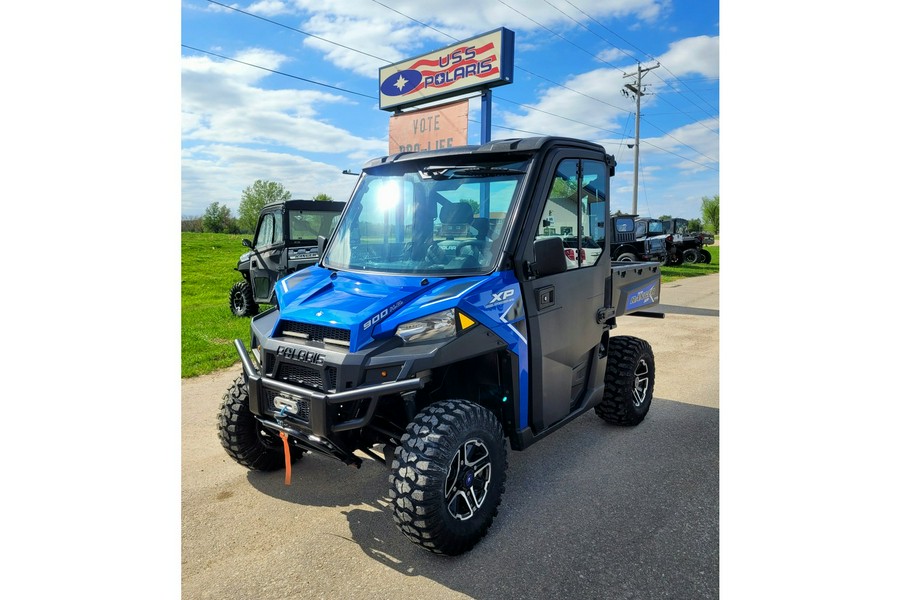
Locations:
{"points": [[486, 116], [484, 201]]}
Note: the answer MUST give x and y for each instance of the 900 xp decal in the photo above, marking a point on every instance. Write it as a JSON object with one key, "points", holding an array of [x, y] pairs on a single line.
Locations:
{"points": [[384, 314]]}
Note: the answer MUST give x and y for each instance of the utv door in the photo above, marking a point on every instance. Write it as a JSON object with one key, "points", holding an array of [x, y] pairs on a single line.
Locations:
{"points": [[561, 308], [267, 262]]}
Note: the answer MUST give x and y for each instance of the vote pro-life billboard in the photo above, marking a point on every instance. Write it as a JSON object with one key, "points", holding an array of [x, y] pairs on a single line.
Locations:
{"points": [[481, 62]]}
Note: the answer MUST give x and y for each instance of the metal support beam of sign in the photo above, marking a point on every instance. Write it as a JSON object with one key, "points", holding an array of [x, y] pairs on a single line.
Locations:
{"points": [[486, 116], [479, 63]]}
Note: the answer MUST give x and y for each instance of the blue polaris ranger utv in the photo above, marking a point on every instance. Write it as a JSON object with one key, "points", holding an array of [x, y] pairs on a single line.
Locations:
{"points": [[444, 319]]}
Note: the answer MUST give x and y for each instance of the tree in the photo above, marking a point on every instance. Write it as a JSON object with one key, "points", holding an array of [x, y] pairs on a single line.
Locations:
{"points": [[254, 198], [710, 212], [665, 217], [322, 198], [217, 218], [694, 225], [192, 224]]}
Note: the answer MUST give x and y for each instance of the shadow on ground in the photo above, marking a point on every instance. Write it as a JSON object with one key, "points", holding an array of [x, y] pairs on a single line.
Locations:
{"points": [[593, 511]]}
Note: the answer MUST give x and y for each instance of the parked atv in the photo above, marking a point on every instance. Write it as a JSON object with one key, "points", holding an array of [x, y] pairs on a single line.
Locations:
{"points": [[286, 241], [684, 247], [631, 242]]}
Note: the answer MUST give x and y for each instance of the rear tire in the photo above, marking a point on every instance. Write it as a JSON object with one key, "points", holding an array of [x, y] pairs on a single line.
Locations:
{"points": [[627, 257], [241, 300], [706, 256], [691, 256], [630, 375], [448, 476], [244, 439]]}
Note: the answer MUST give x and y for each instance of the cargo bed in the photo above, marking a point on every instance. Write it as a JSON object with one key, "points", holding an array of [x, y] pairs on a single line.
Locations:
{"points": [[635, 286]]}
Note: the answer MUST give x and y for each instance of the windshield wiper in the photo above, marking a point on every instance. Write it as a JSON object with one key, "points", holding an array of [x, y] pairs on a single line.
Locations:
{"points": [[442, 173]]}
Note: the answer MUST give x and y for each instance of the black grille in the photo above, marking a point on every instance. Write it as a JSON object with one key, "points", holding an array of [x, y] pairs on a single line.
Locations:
{"points": [[302, 406], [312, 378], [316, 333]]}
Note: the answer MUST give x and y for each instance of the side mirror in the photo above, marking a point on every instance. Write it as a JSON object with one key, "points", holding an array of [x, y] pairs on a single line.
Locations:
{"points": [[322, 242], [549, 257], [247, 243]]}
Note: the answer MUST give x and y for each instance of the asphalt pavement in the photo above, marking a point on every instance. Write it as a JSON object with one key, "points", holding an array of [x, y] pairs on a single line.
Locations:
{"points": [[592, 511]]}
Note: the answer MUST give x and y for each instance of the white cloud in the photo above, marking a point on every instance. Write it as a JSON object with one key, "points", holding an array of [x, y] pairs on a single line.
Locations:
{"points": [[693, 55], [220, 104], [595, 109], [269, 8], [220, 173], [394, 34], [226, 117]]}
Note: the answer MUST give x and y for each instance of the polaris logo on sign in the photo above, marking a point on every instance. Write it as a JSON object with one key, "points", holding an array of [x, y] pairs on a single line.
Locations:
{"points": [[479, 62]]}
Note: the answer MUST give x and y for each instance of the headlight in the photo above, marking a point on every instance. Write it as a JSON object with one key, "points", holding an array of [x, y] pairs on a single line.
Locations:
{"points": [[438, 326]]}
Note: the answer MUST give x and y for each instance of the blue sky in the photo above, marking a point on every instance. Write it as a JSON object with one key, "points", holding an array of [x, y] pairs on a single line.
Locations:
{"points": [[241, 122]]}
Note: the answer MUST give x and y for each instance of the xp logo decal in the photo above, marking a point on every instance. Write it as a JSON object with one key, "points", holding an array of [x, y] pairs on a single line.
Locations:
{"points": [[501, 297], [641, 297]]}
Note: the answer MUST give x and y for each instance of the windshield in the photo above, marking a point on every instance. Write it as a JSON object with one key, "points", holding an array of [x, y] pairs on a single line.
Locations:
{"points": [[305, 225], [427, 219]]}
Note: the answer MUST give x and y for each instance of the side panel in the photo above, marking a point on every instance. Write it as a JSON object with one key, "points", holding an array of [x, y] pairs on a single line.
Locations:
{"points": [[635, 286]]}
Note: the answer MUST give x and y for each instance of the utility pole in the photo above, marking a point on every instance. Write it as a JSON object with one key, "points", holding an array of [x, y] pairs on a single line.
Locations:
{"points": [[637, 90]]}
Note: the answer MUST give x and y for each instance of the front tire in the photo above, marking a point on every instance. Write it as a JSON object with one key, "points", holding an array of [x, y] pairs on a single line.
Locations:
{"points": [[448, 476], [630, 375], [241, 300], [244, 439]]}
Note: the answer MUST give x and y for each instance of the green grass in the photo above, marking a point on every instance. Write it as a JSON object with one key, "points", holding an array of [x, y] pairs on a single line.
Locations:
{"points": [[685, 270], [208, 329]]}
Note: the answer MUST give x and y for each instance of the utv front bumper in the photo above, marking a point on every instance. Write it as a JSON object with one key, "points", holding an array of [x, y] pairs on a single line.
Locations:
{"points": [[307, 410]]}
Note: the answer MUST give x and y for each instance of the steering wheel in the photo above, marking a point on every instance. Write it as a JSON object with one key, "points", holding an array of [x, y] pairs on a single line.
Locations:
{"points": [[477, 247], [435, 254]]}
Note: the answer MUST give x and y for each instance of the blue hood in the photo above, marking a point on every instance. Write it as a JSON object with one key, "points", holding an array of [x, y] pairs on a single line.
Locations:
{"points": [[369, 306]]}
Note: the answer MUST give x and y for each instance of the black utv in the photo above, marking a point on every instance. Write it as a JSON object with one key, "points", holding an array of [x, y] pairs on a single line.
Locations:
{"points": [[286, 240], [683, 245], [631, 241]]}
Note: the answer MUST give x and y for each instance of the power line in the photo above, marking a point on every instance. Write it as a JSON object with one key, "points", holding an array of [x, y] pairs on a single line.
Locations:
{"points": [[594, 56], [646, 54], [588, 29], [334, 87], [416, 20], [451, 37], [588, 52], [616, 133], [249, 14]]}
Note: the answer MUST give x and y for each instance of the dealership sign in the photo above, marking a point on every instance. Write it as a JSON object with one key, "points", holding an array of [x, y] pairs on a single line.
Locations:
{"points": [[480, 62]]}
